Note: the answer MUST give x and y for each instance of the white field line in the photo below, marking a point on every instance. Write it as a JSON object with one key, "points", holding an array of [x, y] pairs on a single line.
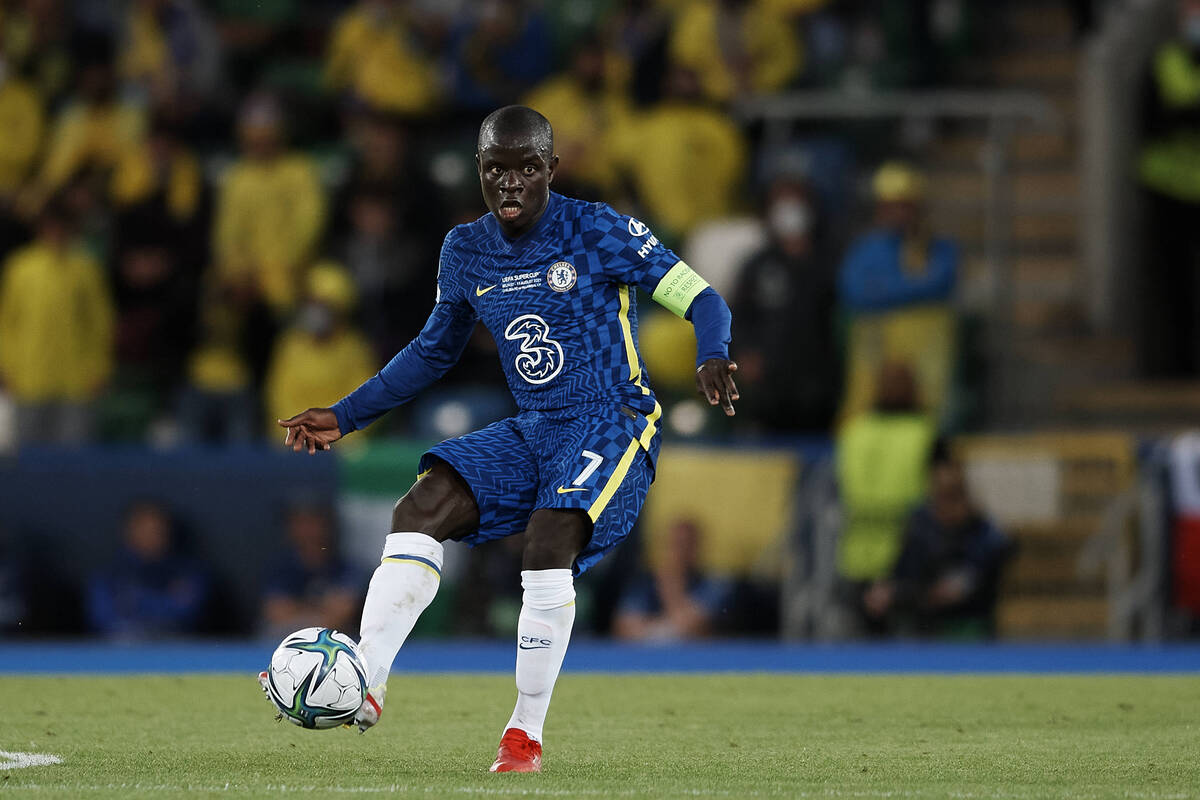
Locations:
{"points": [[516, 791], [18, 760]]}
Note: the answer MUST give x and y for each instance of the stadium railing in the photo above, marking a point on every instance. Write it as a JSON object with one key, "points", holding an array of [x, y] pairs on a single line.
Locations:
{"points": [[1130, 549]]}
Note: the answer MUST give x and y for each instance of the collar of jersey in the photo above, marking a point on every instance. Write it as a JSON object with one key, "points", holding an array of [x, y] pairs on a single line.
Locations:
{"points": [[530, 235]]}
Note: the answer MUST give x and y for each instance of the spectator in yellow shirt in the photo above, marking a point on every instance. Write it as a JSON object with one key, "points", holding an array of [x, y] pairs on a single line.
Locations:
{"points": [[270, 209], [170, 50], [321, 357], [56, 332], [684, 159], [587, 116], [218, 403], [375, 54], [162, 180], [36, 39], [21, 120], [91, 133], [736, 47]]}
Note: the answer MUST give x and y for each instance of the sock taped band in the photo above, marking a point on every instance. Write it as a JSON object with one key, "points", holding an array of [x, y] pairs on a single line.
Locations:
{"points": [[424, 562]]}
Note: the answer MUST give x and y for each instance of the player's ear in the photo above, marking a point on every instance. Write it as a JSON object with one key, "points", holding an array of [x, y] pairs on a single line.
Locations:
{"points": [[478, 164], [553, 167]]}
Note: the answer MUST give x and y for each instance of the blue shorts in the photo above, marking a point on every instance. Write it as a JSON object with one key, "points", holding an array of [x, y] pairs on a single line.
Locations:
{"points": [[597, 458]]}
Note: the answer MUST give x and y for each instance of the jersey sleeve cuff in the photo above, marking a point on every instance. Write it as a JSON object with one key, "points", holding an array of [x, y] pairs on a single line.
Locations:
{"points": [[344, 422]]}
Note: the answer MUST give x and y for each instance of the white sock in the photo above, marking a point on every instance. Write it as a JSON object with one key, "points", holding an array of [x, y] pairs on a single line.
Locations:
{"points": [[543, 631], [402, 587]]}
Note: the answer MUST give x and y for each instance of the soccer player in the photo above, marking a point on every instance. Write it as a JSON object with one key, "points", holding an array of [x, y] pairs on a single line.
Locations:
{"points": [[552, 278]]}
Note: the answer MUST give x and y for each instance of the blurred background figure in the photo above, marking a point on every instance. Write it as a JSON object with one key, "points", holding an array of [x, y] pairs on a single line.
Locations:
{"points": [[270, 210], [381, 230], [589, 116], [896, 286], [661, 149], [22, 118], [735, 47], [93, 130], [56, 332], [155, 325], [321, 357], [38, 45], [677, 601], [153, 589], [161, 179], [310, 583], [784, 318], [500, 50], [372, 43], [637, 34], [883, 458], [1169, 168], [946, 579], [218, 403], [170, 53]]}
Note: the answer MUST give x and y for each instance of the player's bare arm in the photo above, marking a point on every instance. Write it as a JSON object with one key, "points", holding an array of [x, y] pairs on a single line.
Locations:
{"points": [[714, 380]]}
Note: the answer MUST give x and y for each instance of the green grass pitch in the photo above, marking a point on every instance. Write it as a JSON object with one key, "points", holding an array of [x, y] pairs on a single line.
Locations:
{"points": [[620, 736]]}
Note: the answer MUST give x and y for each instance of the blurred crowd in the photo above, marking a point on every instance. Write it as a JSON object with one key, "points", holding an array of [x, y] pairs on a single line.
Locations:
{"points": [[213, 215]]}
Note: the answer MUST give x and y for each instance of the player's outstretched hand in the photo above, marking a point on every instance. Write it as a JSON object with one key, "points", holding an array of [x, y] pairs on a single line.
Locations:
{"points": [[714, 380], [312, 430]]}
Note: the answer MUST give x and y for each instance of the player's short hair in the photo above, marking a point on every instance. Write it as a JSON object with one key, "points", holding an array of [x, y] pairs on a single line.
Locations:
{"points": [[517, 122]]}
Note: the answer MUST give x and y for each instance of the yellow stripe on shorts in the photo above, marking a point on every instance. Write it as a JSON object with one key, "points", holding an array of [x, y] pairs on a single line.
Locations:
{"points": [[614, 481]]}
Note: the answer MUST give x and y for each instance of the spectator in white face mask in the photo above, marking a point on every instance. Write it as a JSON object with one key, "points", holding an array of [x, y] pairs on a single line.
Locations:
{"points": [[783, 311]]}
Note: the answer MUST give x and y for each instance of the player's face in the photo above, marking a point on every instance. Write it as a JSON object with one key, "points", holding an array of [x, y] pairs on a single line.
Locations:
{"points": [[515, 179]]}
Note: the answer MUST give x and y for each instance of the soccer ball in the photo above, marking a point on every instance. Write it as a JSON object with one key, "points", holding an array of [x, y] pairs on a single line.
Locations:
{"points": [[317, 678]]}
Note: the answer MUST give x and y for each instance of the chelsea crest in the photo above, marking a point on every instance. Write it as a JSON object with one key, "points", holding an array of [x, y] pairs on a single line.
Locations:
{"points": [[561, 276]]}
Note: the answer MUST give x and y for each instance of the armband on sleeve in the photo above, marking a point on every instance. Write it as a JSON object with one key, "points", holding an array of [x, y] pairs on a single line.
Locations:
{"points": [[678, 288]]}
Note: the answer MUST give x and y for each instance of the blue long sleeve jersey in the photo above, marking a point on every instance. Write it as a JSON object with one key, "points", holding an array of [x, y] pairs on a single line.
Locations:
{"points": [[558, 302]]}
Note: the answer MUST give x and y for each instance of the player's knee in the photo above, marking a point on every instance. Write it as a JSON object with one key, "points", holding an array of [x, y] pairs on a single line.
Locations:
{"points": [[438, 505], [554, 539]]}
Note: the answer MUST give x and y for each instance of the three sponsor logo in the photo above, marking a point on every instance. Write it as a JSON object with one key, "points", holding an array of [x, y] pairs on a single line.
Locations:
{"points": [[540, 358]]}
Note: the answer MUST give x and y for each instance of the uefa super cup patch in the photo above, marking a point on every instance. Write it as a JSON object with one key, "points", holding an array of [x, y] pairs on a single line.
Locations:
{"points": [[561, 276], [519, 281]]}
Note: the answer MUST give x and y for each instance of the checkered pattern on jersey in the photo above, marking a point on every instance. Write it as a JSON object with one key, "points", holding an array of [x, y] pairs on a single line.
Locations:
{"points": [[538, 460], [562, 342]]}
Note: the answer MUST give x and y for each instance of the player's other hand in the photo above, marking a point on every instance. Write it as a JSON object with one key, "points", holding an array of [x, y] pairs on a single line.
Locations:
{"points": [[714, 380], [312, 430]]}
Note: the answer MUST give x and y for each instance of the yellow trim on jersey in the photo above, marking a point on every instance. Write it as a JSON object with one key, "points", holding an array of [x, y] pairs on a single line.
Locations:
{"points": [[423, 474], [615, 480], [631, 353]]}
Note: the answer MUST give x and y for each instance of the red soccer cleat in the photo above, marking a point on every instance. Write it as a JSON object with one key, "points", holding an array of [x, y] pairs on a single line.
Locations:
{"points": [[518, 753]]}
